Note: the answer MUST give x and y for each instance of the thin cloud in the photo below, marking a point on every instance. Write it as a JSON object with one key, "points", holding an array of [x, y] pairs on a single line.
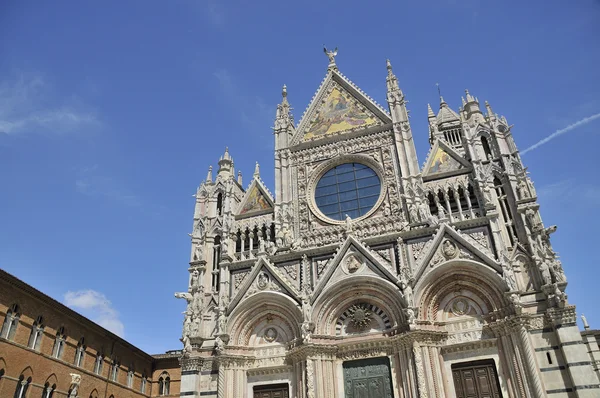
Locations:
{"points": [[254, 113], [91, 183], [570, 190], [97, 307], [570, 127], [28, 104]]}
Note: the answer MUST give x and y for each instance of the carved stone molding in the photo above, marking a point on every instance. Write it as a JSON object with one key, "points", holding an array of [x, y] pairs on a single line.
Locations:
{"points": [[188, 364], [560, 316]]}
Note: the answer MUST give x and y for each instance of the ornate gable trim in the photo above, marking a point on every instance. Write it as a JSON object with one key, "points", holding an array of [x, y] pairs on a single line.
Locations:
{"points": [[263, 264], [443, 161], [256, 201], [375, 114], [333, 264], [435, 244]]}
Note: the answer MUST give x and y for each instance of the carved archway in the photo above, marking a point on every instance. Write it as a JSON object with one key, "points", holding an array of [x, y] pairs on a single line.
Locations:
{"points": [[460, 288], [264, 318], [376, 295]]}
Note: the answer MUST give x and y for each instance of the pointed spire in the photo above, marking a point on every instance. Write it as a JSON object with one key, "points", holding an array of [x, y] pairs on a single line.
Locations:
{"points": [[257, 171], [209, 175], [430, 113], [488, 108], [239, 179], [393, 88], [463, 101], [443, 103], [226, 165], [469, 96]]}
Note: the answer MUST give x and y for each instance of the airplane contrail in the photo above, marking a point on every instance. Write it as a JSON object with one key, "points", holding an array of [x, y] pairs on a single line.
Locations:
{"points": [[570, 127]]}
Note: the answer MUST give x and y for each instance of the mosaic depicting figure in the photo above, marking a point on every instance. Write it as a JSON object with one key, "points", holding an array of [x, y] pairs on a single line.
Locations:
{"points": [[339, 112]]}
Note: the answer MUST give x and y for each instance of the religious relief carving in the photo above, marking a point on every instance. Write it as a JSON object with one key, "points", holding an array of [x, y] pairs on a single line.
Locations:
{"points": [[75, 382], [263, 281], [417, 249], [352, 263], [270, 335], [360, 316], [449, 249], [509, 277]]}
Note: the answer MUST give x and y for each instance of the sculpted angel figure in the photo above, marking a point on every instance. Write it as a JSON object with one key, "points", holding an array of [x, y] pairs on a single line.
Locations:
{"points": [[330, 54]]}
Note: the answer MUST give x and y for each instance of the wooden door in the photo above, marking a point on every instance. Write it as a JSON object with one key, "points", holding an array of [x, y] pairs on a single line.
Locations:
{"points": [[368, 378], [476, 380], [272, 391]]}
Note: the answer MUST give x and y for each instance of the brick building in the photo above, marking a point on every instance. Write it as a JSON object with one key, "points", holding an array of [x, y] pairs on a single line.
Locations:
{"points": [[48, 350]]}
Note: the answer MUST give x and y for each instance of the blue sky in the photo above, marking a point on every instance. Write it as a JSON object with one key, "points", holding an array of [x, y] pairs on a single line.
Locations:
{"points": [[111, 113]]}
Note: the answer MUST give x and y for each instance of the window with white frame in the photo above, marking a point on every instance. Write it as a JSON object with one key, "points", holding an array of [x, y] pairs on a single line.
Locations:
{"points": [[80, 353], [99, 363], [59, 343], [164, 384], [22, 386], [143, 385], [48, 390], [37, 331], [9, 327], [130, 377], [114, 370]]}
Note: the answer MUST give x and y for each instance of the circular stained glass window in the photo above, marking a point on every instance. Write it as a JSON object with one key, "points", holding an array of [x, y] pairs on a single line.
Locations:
{"points": [[348, 189]]}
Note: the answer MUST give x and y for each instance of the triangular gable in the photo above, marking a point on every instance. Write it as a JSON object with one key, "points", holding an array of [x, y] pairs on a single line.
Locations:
{"points": [[463, 244], [273, 276], [443, 161], [257, 200], [378, 266], [338, 107]]}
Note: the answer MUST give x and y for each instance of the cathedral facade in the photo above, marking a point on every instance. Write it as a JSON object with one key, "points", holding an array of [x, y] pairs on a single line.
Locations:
{"points": [[366, 275]]}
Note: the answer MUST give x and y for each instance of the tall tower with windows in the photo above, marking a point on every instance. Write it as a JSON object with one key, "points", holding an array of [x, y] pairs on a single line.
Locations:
{"points": [[365, 275]]}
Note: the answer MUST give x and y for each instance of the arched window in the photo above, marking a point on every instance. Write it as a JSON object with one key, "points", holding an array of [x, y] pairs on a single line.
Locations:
{"points": [[505, 210], [164, 384], [80, 353], [432, 206], [114, 370], [22, 386], [48, 390], [219, 204], [130, 373], [216, 261], [99, 363], [37, 331], [9, 328], [143, 384], [486, 147], [59, 343]]}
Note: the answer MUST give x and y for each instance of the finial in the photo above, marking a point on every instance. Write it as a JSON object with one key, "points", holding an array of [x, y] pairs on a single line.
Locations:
{"points": [[331, 55], [284, 91], [463, 101], [239, 179], [439, 92], [388, 65], [469, 96], [488, 108], [209, 175], [256, 170]]}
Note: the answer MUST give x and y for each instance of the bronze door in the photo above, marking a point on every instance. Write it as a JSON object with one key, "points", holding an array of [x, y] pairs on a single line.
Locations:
{"points": [[476, 380], [368, 378], [272, 391]]}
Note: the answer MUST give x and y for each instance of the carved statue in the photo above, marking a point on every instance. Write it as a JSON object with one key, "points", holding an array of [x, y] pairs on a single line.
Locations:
{"points": [[509, 277], [330, 54], [560, 298], [198, 252], [523, 188], [411, 317], [306, 308], [516, 302], [306, 332], [219, 345], [556, 270], [186, 296], [221, 322], [195, 279], [586, 325], [413, 212], [408, 293], [348, 224], [545, 271], [75, 381]]}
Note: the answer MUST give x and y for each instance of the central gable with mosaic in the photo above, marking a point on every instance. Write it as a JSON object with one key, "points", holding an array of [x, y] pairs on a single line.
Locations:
{"points": [[339, 112]]}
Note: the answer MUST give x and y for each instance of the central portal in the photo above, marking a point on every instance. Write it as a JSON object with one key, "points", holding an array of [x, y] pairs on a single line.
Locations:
{"points": [[368, 378], [272, 391]]}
